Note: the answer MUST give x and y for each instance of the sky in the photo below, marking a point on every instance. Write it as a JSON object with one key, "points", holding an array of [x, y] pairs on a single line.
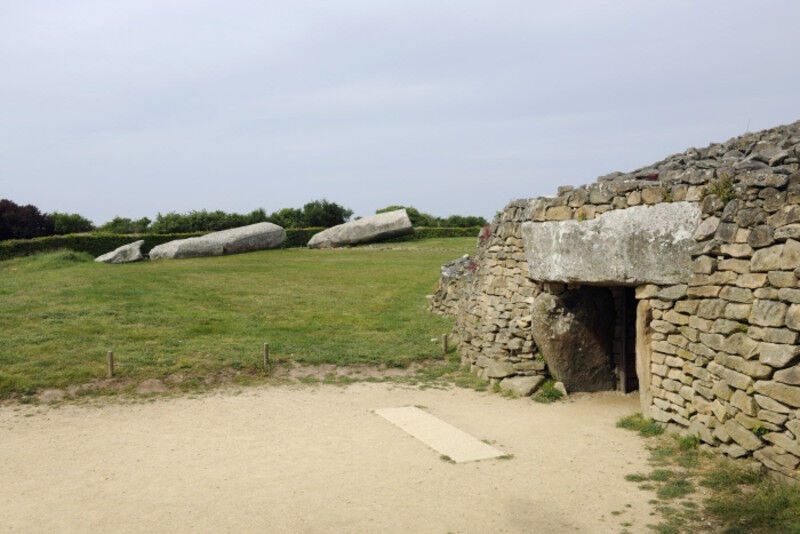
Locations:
{"points": [[134, 108]]}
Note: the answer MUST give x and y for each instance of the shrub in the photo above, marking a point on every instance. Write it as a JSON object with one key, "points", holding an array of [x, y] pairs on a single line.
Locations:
{"points": [[23, 222], [124, 225], [324, 213], [70, 223]]}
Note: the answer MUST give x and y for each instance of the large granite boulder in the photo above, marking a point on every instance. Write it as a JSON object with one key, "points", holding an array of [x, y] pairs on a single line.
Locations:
{"points": [[372, 228], [575, 332], [124, 254], [257, 236], [637, 245]]}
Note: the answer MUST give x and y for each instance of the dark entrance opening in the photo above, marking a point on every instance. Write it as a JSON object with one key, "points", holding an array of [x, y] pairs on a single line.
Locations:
{"points": [[588, 336], [624, 346]]}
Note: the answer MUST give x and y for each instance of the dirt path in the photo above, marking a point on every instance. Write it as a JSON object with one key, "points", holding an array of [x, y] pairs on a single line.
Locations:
{"points": [[317, 459]]}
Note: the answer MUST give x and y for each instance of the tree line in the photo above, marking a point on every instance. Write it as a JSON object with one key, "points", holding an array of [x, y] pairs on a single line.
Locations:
{"points": [[25, 222]]}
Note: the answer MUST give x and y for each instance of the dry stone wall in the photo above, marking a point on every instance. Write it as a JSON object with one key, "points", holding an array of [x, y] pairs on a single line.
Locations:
{"points": [[721, 352]]}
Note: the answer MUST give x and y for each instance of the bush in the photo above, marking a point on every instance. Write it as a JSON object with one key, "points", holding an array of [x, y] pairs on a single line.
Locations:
{"points": [[428, 233], [204, 221], [71, 223], [324, 213], [124, 225], [23, 222]]}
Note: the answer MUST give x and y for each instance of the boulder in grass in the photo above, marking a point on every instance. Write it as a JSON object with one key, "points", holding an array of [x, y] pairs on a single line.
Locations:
{"points": [[124, 254], [365, 230], [248, 238]]}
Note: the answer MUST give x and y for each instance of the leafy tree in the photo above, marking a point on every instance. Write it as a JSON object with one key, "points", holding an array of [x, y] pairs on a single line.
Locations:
{"points": [[124, 225], [71, 223], [288, 218], [324, 213], [23, 222]]}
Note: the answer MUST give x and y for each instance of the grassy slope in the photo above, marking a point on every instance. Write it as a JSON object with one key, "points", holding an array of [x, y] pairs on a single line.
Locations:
{"points": [[59, 315]]}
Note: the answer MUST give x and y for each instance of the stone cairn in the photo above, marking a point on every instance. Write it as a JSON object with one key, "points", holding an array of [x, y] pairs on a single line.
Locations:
{"points": [[725, 360]]}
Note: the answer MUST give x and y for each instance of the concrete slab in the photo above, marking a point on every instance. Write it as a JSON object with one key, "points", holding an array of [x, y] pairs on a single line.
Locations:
{"points": [[442, 437]]}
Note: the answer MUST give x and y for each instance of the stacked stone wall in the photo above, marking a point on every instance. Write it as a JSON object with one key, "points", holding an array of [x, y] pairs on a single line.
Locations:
{"points": [[723, 344]]}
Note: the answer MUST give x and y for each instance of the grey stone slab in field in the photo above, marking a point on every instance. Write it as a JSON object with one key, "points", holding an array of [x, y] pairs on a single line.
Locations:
{"points": [[442, 437], [642, 244], [249, 238], [124, 254], [380, 226]]}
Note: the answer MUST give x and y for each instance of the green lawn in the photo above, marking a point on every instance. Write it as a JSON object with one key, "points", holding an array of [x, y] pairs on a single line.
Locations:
{"points": [[60, 313]]}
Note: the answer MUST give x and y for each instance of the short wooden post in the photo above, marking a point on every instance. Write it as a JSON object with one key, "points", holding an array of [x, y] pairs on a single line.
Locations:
{"points": [[444, 343], [110, 361], [266, 356]]}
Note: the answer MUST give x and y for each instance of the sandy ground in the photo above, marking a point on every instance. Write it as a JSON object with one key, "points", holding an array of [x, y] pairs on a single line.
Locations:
{"points": [[317, 459]]}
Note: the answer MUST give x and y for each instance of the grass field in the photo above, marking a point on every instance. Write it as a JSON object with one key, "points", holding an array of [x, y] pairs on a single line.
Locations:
{"points": [[61, 312]]}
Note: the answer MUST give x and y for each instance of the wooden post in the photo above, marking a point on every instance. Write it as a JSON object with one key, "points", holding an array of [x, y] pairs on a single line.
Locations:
{"points": [[110, 358], [444, 344], [266, 356]]}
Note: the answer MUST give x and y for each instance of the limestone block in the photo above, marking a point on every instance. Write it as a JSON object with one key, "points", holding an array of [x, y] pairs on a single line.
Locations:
{"points": [[641, 244], [780, 392]]}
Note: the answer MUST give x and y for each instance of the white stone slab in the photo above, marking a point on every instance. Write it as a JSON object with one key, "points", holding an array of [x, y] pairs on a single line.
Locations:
{"points": [[442, 437]]}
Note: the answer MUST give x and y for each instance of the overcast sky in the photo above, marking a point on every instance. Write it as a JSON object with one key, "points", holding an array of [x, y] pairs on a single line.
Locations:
{"points": [[137, 107]]}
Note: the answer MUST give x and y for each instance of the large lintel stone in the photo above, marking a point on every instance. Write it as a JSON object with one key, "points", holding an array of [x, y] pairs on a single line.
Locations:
{"points": [[637, 245]]}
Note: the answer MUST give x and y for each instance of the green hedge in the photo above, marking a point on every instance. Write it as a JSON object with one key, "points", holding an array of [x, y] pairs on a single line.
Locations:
{"points": [[433, 231], [99, 243]]}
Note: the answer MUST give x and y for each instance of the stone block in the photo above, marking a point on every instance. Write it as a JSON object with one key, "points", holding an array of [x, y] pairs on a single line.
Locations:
{"points": [[768, 313], [782, 393]]}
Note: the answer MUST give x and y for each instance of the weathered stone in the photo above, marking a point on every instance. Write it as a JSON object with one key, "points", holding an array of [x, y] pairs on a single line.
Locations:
{"points": [[789, 295], [785, 442], [771, 404], [751, 280], [736, 294], [744, 402], [574, 332], [790, 231], [782, 278], [763, 179], [737, 311], [711, 308], [704, 265], [780, 392], [732, 378], [760, 236], [777, 257], [558, 213], [750, 368], [742, 436], [706, 229], [249, 238], [521, 385], [793, 317], [737, 250], [789, 376], [772, 335], [768, 313], [498, 369], [365, 230], [642, 244], [777, 355], [125, 254]]}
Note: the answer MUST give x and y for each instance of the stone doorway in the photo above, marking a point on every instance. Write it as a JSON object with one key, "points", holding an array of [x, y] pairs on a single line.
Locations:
{"points": [[587, 336], [624, 346]]}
